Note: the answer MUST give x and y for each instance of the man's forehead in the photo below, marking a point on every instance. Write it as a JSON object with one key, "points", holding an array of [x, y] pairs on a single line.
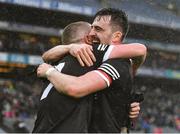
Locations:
{"points": [[105, 18]]}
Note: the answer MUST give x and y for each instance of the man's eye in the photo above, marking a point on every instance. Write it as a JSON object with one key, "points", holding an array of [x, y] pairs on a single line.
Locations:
{"points": [[98, 29]]}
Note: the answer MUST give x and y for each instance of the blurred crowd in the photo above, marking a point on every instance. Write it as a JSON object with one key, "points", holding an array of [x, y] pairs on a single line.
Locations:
{"points": [[17, 104], [26, 43], [159, 110], [162, 60]]}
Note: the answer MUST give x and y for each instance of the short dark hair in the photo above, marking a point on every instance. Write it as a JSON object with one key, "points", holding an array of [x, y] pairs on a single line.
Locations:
{"points": [[118, 20], [74, 32]]}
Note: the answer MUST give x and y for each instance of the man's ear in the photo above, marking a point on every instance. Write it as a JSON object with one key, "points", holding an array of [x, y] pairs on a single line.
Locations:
{"points": [[117, 36]]}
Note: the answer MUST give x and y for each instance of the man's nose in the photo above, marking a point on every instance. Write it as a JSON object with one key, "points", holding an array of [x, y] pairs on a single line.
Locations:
{"points": [[92, 32]]}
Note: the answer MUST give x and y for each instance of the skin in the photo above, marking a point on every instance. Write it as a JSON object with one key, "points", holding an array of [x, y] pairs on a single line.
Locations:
{"points": [[101, 28]]}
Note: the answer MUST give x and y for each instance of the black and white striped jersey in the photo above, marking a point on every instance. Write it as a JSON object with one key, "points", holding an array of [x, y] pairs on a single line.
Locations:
{"points": [[110, 111], [61, 113]]}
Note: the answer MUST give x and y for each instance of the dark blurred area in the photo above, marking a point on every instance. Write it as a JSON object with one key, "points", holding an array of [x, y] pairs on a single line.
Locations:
{"points": [[28, 28]]}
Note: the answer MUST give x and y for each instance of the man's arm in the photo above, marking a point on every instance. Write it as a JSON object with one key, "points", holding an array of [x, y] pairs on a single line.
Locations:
{"points": [[84, 55], [71, 85], [56, 53], [128, 51], [88, 83], [136, 51]]}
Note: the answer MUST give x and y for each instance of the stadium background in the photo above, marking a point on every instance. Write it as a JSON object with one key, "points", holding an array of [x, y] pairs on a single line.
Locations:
{"points": [[30, 27]]}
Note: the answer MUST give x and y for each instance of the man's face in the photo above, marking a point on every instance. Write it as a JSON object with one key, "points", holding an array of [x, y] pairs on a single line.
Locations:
{"points": [[101, 29]]}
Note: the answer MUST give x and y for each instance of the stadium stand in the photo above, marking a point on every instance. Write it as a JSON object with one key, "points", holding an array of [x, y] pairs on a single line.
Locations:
{"points": [[30, 27], [162, 113]]}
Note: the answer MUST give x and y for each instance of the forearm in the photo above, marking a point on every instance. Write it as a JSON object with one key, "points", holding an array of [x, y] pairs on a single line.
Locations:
{"points": [[76, 86], [135, 51], [128, 50], [56, 53]]}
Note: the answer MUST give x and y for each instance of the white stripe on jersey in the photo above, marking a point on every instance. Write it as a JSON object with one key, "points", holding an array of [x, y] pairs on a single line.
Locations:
{"points": [[113, 69], [102, 47], [59, 67], [104, 77], [110, 70], [46, 91], [99, 47], [108, 52]]}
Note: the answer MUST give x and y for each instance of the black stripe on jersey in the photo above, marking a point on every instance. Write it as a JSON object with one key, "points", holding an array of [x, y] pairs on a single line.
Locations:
{"points": [[109, 69], [102, 47]]}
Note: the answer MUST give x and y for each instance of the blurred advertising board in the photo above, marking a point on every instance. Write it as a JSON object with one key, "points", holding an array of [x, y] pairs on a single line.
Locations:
{"points": [[20, 58]]}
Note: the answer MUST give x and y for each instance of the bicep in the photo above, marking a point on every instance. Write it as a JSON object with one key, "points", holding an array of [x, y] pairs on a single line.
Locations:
{"points": [[98, 79], [92, 82]]}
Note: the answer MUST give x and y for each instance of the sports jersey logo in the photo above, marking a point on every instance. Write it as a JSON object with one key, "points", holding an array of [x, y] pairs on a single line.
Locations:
{"points": [[102, 47]]}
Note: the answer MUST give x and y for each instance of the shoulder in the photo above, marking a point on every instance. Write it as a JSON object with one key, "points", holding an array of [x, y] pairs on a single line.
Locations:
{"points": [[115, 68], [100, 52], [100, 47]]}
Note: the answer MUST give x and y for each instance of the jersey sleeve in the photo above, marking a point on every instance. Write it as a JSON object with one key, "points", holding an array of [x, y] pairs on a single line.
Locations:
{"points": [[101, 52], [114, 71]]}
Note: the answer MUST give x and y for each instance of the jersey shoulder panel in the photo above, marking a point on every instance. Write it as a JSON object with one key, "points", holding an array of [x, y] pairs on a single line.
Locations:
{"points": [[99, 51]]}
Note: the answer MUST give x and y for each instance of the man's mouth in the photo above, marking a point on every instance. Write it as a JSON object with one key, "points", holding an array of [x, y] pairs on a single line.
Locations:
{"points": [[92, 40], [96, 40]]}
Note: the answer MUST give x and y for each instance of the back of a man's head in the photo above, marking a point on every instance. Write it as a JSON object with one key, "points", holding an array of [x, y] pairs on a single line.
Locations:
{"points": [[75, 32], [119, 20]]}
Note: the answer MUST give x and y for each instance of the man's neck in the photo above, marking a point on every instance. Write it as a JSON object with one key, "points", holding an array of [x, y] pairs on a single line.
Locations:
{"points": [[116, 43]]}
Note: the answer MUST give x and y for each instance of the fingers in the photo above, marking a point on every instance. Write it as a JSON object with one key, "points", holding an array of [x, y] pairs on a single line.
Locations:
{"points": [[83, 53], [134, 114], [85, 56], [137, 108], [90, 53], [80, 60], [135, 104], [134, 110]]}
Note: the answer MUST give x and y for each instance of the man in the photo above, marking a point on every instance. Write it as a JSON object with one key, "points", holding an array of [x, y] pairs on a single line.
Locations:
{"points": [[53, 76], [59, 112]]}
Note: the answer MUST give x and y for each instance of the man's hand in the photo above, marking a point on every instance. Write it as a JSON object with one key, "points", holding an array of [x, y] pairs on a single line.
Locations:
{"points": [[134, 110], [42, 69], [83, 53]]}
